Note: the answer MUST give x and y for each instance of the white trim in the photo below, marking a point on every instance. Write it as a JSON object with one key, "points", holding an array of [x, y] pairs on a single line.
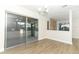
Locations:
{"points": [[70, 19], [67, 42]]}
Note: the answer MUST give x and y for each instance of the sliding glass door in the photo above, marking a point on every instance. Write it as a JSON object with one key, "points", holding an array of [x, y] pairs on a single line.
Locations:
{"points": [[20, 29], [16, 30], [32, 30]]}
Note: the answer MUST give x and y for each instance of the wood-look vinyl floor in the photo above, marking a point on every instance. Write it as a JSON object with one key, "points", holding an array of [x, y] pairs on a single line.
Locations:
{"points": [[45, 46]]}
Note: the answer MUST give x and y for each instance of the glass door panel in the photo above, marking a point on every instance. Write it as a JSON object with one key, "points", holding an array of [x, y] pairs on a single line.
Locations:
{"points": [[16, 30]]}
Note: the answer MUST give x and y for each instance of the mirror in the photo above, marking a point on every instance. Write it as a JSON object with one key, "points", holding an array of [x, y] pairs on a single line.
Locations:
{"points": [[59, 19]]}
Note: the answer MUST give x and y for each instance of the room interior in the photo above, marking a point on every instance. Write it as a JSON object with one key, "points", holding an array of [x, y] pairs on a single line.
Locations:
{"points": [[39, 29]]}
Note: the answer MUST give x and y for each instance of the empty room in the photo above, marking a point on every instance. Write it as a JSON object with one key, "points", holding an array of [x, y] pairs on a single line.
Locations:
{"points": [[39, 29]]}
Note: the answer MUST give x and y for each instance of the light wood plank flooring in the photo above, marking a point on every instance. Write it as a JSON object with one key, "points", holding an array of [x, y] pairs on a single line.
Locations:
{"points": [[45, 46]]}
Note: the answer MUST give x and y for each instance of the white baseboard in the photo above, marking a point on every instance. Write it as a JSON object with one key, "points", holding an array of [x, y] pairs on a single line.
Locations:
{"points": [[67, 42]]}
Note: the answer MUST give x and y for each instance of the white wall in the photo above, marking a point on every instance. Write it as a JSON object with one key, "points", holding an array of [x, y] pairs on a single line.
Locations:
{"points": [[75, 22], [2, 24], [25, 12], [62, 36]]}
